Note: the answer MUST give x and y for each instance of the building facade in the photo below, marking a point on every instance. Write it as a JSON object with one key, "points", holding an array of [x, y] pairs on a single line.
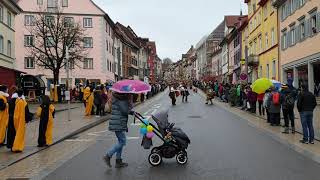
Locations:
{"points": [[8, 12], [300, 38], [263, 58], [97, 67]]}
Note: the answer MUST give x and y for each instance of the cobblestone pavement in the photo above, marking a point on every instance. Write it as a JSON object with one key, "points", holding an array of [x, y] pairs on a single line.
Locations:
{"points": [[58, 107], [224, 146], [62, 127]]}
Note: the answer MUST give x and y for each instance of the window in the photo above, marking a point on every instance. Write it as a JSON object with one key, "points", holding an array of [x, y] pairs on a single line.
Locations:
{"points": [[268, 69], [71, 64], [49, 41], [28, 40], [273, 69], [39, 2], [87, 22], [292, 7], [301, 3], [255, 46], [1, 14], [260, 43], [292, 37], [64, 3], [68, 22], [283, 12], [272, 37], [88, 63], [29, 63], [87, 42], [9, 19], [9, 48], [49, 20], [1, 44], [267, 41], [52, 3], [107, 45], [314, 24], [284, 41], [28, 20]]}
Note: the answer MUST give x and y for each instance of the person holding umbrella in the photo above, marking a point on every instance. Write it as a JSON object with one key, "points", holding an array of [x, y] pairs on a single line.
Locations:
{"points": [[122, 104]]}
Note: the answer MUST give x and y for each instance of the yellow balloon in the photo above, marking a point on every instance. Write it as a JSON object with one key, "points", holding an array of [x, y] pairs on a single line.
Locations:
{"points": [[149, 128]]}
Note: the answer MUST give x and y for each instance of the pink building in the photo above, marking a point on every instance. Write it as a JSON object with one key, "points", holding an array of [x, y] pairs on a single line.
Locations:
{"points": [[97, 67]]}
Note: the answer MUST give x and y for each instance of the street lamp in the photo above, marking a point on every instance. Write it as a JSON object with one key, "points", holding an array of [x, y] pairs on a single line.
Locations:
{"points": [[67, 93]]}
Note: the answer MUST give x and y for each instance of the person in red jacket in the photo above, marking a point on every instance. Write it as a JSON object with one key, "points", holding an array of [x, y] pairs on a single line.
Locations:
{"points": [[260, 102]]}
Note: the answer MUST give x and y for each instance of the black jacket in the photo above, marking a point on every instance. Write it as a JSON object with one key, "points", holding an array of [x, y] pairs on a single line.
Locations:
{"points": [[306, 101]]}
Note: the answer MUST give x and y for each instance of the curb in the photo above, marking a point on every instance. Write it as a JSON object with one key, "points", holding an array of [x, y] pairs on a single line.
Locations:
{"points": [[305, 152]]}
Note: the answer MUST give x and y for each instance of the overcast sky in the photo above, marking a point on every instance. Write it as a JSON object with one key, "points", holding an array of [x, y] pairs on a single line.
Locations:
{"points": [[175, 25]]}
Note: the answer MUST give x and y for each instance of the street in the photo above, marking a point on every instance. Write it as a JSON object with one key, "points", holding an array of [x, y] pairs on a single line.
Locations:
{"points": [[223, 146]]}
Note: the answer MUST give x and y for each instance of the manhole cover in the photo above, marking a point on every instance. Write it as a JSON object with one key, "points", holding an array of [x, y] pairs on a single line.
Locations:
{"points": [[195, 117]]}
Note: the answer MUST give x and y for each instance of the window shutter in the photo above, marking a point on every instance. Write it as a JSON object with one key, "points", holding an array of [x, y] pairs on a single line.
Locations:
{"points": [[307, 27], [297, 34], [282, 44], [318, 22], [289, 38], [289, 8]]}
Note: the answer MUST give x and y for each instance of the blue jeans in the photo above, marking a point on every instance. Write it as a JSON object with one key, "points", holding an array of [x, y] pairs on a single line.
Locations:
{"points": [[117, 148], [307, 125]]}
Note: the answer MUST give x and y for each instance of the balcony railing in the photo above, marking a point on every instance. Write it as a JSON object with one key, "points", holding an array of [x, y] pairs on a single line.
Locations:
{"points": [[253, 60]]}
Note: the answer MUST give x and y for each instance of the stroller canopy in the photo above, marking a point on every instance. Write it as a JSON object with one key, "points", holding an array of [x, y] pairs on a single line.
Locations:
{"points": [[161, 118]]}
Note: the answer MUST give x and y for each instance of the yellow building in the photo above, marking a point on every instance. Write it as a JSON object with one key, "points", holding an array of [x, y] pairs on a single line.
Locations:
{"points": [[262, 40]]}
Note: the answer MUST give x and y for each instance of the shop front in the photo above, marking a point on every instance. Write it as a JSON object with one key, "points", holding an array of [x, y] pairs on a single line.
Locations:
{"points": [[304, 71], [9, 77]]}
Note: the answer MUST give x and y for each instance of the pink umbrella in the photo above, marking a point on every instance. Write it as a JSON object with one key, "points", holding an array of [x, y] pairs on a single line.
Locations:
{"points": [[131, 87]]}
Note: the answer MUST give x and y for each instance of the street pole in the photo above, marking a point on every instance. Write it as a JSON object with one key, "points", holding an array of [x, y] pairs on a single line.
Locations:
{"points": [[68, 68]]}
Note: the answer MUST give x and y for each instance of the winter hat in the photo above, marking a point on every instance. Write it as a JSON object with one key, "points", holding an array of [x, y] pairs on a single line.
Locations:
{"points": [[3, 88]]}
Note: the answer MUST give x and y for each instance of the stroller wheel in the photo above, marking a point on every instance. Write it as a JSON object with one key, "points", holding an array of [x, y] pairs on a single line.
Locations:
{"points": [[182, 158], [155, 159]]}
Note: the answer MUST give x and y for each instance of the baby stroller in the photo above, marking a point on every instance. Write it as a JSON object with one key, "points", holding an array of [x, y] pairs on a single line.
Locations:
{"points": [[175, 141]]}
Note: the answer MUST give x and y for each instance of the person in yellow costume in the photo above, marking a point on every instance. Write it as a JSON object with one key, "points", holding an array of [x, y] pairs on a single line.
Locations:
{"points": [[21, 116], [89, 98], [46, 113], [4, 113]]}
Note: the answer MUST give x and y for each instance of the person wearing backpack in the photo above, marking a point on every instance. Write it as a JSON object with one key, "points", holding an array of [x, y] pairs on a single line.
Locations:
{"points": [[265, 104], [274, 107], [306, 104], [287, 108]]}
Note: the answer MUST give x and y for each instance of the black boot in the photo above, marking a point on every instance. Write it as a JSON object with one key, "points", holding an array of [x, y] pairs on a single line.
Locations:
{"points": [[107, 159], [120, 164]]}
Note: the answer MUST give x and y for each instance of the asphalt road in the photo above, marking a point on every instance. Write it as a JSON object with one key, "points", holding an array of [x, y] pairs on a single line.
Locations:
{"points": [[223, 147]]}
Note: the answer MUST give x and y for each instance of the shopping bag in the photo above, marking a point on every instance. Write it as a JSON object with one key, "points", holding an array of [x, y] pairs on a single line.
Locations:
{"points": [[248, 105]]}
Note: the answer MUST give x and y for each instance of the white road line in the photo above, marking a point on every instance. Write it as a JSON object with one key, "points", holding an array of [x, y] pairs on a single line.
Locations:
{"points": [[132, 138], [79, 140], [97, 133]]}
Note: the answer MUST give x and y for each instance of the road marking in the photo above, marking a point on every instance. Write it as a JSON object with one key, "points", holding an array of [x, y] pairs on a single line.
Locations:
{"points": [[133, 138], [97, 133], [79, 140]]}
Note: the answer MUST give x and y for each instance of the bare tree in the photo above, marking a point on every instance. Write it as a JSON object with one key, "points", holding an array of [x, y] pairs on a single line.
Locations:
{"points": [[52, 33]]}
